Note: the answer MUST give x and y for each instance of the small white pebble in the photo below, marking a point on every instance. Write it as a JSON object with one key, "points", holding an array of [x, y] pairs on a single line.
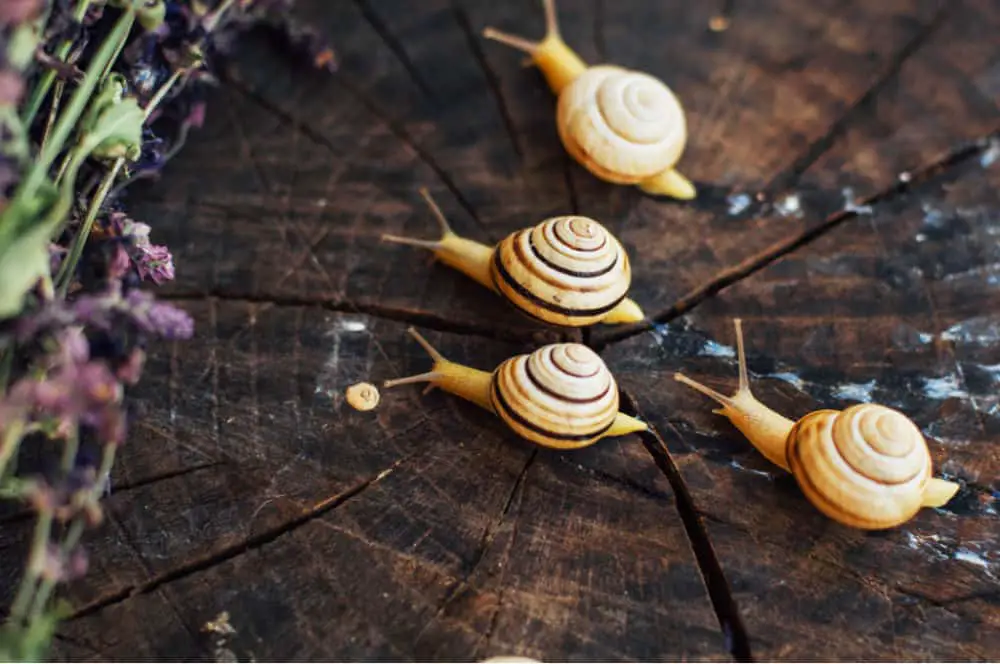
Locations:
{"points": [[905, 176], [362, 396]]}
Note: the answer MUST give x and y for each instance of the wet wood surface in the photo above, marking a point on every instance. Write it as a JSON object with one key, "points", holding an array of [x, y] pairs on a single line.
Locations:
{"points": [[848, 212]]}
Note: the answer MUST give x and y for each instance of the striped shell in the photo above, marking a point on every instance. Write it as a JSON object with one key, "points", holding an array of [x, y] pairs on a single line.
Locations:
{"points": [[865, 466], [561, 395], [624, 126], [564, 271]]}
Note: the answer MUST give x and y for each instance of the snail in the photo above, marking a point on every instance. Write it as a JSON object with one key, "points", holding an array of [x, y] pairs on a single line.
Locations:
{"points": [[566, 270], [560, 396], [867, 466], [624, 126]]}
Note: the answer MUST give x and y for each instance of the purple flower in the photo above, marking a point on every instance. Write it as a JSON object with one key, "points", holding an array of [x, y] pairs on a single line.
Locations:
{"points": [[152, 261], [18, 11], [131, 369], [196, 115], [18, 402], [78, 391], [156, 263], [120, 263], [72, 347], [107, 311], [158, 318], [75, 493], [11, 88]]}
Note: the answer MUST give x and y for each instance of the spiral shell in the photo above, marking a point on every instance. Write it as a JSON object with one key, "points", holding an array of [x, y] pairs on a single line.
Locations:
{"points": [[561, 395], [624, 126], [566, 270], [865, 466]]}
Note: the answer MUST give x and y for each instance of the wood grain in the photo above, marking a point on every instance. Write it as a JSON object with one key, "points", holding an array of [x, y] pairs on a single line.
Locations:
{"points": [[424, 530], [893, 307]]}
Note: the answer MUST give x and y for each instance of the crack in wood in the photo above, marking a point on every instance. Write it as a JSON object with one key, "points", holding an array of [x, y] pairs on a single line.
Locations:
{"points": [[159, 477], [790, 176], [502, 565], [396, 47], [125, 487], [778, 250], [485, 543], [986, 595], [227, 553], [491, 78], [725, 606], [398, 314], [617, 481], [137, 552]]}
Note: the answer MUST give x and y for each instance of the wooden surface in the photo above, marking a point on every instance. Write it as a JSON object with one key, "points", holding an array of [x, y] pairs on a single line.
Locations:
{"points": [[849, 213]]}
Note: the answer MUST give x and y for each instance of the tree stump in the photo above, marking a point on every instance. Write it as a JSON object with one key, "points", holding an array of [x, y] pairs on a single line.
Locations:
{"points": [[848, 212]]}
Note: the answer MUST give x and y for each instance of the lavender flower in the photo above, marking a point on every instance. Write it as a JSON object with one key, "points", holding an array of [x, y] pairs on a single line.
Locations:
{"points": [[18, 11], [115, 88]]}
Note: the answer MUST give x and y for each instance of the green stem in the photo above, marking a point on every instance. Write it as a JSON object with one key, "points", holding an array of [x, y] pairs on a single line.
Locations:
{"points": [[39, 93], [76, 106], [53, 112], [162, 92], [80, 239], [6, 364], [75, 530], [43, 529], [70, 450], [17, 144], [11, 441]]}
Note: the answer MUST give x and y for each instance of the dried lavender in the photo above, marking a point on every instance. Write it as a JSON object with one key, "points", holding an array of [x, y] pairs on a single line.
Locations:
{"points": [[94, 94]]}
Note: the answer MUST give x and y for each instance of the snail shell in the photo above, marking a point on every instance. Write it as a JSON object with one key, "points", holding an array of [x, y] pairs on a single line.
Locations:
{"points": [[567, 270], [560, 394], [362, 396], [624, 126], [866, 466]]}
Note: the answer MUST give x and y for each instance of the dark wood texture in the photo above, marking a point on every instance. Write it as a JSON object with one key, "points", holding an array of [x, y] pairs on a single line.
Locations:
{"points": [[848, 212]]}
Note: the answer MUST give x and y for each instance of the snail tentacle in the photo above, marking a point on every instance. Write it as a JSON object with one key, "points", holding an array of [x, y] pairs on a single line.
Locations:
{"points": [[557, 61], [466, 382], [866, 466], [764, 428], [561, 396], [467, 256]]}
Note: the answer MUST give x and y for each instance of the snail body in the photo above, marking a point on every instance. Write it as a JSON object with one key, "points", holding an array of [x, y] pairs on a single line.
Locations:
{"points": [[566, 270], [624, 126], [867, 466], [560, 396]]}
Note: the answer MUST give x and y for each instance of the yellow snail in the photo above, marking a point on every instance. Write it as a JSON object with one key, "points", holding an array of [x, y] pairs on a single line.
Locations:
{"points": [[867, 466], [565, 270], [622, 125], [560, 396]]}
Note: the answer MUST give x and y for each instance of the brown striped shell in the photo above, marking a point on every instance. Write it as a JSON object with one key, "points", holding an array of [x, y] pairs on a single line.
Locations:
{"points": [[567, 270], [561, 395], [865, 466], [622, 125]]}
